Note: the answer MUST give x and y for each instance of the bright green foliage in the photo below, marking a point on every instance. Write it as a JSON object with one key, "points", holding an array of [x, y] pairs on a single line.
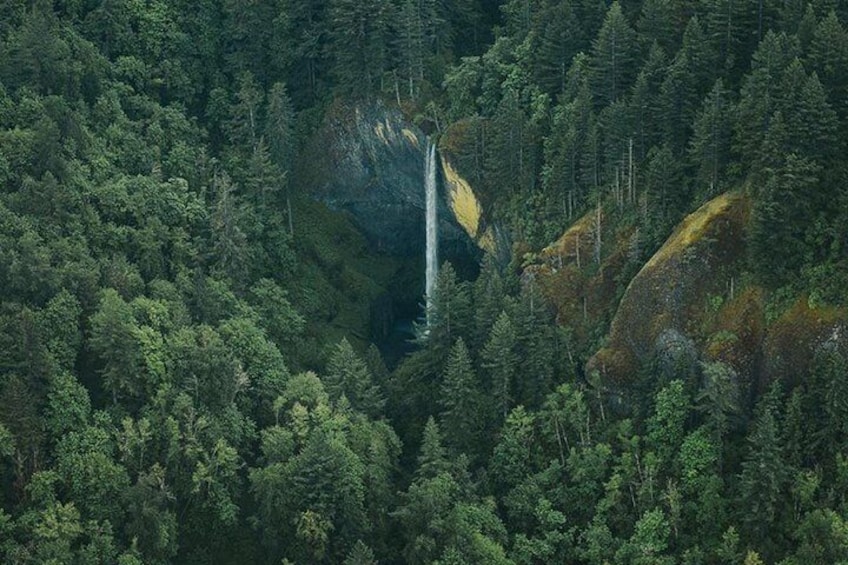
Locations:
{"points": [[450, 315], [230, 244], [259, 370], [349, 376], [361, 554], [151, 520], [60, 321], [432, 458], [566, 419], [822, 538], [314, 491], [666, 427], [205, 367], [68, 405], [281, 321], [719, 398], [86, 465], [114, 339], [648, 543], [513, 458]]}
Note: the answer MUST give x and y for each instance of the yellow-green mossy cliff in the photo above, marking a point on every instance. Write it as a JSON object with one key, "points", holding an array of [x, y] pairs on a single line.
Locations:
{"points": [[674, 290]]}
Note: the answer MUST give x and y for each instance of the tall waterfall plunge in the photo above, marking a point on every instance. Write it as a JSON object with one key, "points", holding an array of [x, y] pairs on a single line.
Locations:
{"points": [[432, 224]]}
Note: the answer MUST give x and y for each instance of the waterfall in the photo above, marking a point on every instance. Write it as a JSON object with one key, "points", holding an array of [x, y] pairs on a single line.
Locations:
{"points": [[432, 223]]}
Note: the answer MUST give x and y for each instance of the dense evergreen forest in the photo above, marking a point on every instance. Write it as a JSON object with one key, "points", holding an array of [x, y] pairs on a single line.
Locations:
{"points": [[175, 384]]}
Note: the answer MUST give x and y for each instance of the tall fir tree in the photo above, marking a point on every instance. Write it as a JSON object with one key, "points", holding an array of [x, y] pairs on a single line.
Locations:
{"points": [[500, 358], [614, 56], [460, 401]]}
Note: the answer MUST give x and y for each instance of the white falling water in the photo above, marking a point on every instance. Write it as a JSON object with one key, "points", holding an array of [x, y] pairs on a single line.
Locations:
{"points": [[432, 223]]}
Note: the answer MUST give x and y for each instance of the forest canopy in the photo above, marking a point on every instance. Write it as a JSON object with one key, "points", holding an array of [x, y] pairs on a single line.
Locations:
{"points": [[186, 369]]}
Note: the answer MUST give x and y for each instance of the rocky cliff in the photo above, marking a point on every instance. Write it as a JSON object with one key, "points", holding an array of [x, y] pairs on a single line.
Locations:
{"points": [[368, 160], [692, 301]]}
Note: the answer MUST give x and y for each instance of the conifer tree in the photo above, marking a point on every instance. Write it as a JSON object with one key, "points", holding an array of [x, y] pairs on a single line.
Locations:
{"points": [[561, 38], [614, 52], [348, 375], [657, 24], [781, 215], [230, 247], [728, 25], [360, 554], [667, 193], [279, 127], [358, 42], [244, 123], [500, 358], [645, 108], [489, 294], [709, 147], [762, 481], [760, 93], [828, 55], [432, 458], [536, 345], [461, 402]]}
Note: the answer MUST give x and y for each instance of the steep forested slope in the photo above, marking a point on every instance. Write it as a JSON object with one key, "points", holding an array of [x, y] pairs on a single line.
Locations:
{"points": [[653, 372]]}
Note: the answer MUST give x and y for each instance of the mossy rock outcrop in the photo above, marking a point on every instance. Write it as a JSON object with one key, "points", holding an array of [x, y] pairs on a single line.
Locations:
{"points": [[737, 328], [673, 290], [583, 292], [796, 336]]}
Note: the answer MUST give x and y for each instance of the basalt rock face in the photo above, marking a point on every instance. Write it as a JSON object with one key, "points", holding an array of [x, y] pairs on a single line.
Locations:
{"points": [[369, 161], [668, 301]]}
